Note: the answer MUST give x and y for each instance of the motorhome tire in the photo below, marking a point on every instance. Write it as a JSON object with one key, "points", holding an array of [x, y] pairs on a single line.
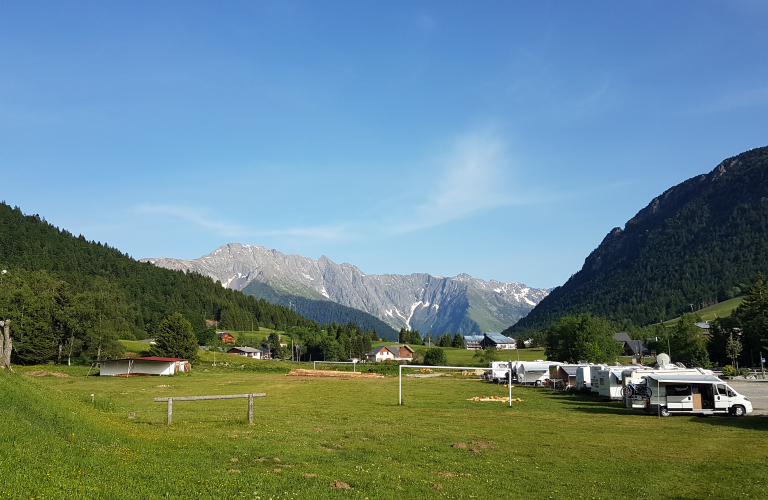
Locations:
{"points": [[738, 411], [664, 412], [537, 383]]}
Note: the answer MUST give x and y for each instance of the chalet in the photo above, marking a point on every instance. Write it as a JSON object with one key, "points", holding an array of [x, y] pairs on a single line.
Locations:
{"points": [[227, 338], [498, 341], [631, 347], [248, 352], [704, 327], [472, 342], [151, 365], [393, 353]]}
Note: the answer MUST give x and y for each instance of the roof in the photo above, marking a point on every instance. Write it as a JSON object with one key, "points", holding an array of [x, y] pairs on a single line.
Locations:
{"points": [[569, 369], [473, 338], [704, 325], [245, 349], [499, 338], [621, 337], [377, 350], [158, 358], [637, 347], [683, 377]]}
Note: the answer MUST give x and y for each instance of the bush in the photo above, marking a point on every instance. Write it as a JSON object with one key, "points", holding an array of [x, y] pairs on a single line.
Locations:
{"points": [[745, 372], [729, 371], [435, 357]]}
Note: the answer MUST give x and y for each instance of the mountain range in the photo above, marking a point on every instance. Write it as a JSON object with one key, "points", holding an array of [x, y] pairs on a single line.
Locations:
{"points": [[692, 246], [462, 304]]}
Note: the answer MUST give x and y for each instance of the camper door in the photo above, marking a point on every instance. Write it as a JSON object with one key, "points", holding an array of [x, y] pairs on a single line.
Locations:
{"points": [[723, 397], [679, 397]]}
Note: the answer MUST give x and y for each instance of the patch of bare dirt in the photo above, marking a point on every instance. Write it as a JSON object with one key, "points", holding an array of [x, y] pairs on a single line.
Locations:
{"points": [[483, 444], [459, 445], [308, 475], [46, 374], [277, 470], [233, 471], [437, 486], [233, 460], [340, 485], [331, 373], [446, 474]]}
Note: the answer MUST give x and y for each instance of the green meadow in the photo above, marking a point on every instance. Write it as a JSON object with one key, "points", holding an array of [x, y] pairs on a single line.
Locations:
{"points": [[311, 432]]}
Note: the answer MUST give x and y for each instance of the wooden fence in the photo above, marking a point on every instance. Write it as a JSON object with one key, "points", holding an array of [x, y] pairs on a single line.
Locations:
{"points": [[202, 398]]}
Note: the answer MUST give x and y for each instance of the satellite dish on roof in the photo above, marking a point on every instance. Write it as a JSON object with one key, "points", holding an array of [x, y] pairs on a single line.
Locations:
{"points": [[663, 360]]}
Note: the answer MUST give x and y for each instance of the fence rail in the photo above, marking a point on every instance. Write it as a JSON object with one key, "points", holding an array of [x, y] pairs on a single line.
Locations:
{"points": [[250, 397]]}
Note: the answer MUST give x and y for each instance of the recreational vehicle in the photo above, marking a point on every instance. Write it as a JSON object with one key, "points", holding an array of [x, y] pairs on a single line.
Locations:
{"points": [[636, 376], [694, 394], [499, 371], [533, 372], [609, 381], [585, 374]]}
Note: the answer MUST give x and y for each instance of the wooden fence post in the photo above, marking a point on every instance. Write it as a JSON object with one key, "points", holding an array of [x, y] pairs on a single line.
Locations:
{"points": [[170, 410], [250, 409]]}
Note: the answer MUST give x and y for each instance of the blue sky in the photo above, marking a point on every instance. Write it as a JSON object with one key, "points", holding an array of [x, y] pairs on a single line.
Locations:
{"points": [[499, 139]]}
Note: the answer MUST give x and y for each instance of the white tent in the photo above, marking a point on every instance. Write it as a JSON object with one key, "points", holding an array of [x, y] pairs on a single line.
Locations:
{"points": [[151, 365]]}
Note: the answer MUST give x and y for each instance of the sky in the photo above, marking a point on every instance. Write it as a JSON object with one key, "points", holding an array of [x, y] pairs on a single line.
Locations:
{"points": [[499, 139]]}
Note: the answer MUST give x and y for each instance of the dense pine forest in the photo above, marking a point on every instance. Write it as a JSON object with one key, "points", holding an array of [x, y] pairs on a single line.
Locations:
{"points": [[694, 245], [68, 297], [322, 311]]}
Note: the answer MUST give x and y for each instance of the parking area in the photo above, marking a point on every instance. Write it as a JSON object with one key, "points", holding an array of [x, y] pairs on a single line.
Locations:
{"points": [[756, 391]]}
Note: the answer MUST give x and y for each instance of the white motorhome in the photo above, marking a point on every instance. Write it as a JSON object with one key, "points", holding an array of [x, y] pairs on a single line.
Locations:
{"points": [[610, 384], [499, 371], [594, 376], [636, 375], [533, 372], [692, 394], [585, 374]]}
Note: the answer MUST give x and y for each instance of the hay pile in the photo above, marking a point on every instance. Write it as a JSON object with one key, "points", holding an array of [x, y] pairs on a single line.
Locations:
{"points": [[331, 373]]}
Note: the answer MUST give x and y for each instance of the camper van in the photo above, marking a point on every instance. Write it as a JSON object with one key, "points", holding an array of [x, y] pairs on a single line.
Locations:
{"points": [[636, 375], [691, 394], [609, 382], [533, 372], [499, 371]]}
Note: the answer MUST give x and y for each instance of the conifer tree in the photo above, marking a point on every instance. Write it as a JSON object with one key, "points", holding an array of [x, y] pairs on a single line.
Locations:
{"points": [[175, 339]]}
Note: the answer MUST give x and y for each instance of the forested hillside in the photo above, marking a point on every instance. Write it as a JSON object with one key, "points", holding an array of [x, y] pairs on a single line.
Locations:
{"points": [[66, 294], [322, 311], [687, 249]]}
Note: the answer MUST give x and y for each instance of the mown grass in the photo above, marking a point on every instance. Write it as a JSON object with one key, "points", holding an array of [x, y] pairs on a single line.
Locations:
{"points": [[55, 443], [719, 310]]}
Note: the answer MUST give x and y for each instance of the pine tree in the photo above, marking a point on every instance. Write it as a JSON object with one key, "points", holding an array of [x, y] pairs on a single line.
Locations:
{"points": [[175, 339]]}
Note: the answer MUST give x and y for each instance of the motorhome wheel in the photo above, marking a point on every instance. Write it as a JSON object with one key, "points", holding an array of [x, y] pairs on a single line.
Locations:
{"points": [[664, 412], [738, 411]]}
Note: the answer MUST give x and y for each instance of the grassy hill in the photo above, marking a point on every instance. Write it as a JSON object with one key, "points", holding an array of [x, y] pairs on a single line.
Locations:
{"points": [[310, 433], [711, 313]]}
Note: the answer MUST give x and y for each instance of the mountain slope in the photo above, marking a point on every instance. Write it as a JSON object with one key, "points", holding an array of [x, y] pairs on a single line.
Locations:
{"points": [[689, 246], [148, 294], [417, 301]]}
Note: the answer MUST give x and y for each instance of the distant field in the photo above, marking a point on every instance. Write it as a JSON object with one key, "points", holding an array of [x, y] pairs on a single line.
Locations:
{"points": [[311, 432], [719, 310], [464, 357]]}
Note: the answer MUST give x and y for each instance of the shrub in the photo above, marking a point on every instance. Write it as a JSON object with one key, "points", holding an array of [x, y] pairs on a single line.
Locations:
{"points": [[728, 371], [435, 357]]}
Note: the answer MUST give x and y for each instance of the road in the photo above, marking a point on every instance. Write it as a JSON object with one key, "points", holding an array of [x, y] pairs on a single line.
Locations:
{"points": [[756, 391]]}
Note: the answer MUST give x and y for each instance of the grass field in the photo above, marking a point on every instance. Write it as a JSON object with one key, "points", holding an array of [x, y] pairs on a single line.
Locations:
{"points": [[310, 432], [719, 310]]}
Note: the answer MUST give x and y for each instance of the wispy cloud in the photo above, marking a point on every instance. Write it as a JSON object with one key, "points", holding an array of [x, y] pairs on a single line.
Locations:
{"points": [[190, 215], [473, 177], [326, 232]]}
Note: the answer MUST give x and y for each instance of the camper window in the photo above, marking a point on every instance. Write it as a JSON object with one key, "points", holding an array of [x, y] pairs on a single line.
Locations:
{"points": [[679, 390], [721, 390]]}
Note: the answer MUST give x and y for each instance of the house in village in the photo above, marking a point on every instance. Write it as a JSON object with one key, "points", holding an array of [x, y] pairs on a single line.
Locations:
{"points": [[390, 353], [497, 340], [227, 338], [472, 342], [151, 365], [248, 352], [632, 348], [704, 326]]}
